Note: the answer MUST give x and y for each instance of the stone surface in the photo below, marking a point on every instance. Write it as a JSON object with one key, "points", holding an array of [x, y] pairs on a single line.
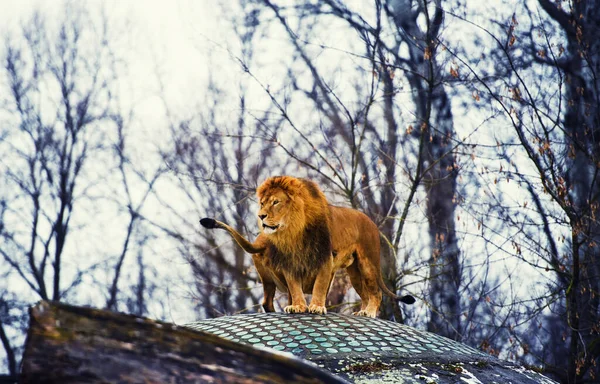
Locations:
{"points": [[367, 350]]}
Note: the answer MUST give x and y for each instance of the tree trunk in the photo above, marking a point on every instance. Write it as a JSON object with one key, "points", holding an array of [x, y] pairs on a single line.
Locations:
{"points": [[581, 66], [444, 263], [434, 114], [68, 344]]}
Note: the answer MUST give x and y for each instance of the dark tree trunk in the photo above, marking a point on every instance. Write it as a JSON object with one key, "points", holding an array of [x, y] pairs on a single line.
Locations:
{"points": [[68, 344], [436, 123], [581, 66], [444, 263]]}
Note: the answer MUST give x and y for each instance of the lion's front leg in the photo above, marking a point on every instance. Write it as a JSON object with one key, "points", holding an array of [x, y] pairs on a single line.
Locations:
{"points": [[298, 304], [321, 287]]}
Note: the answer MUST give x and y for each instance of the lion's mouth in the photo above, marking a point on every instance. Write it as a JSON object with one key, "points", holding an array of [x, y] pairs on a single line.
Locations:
{"points": [[269, 228]]}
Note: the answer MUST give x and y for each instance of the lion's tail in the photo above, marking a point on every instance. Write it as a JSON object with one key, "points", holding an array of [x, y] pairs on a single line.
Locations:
{"points": [[241, 240], [407, 299]]}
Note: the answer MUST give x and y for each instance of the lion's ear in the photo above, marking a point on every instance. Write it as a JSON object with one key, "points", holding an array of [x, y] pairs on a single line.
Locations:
{"points": [[293, 187]]}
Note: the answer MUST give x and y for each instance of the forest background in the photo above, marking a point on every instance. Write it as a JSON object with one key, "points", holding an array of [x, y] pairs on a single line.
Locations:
{"points": [[468, 131]]}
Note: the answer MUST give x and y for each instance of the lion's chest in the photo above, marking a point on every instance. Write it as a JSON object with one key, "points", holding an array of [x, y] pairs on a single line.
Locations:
{"points": [[302, 257]]}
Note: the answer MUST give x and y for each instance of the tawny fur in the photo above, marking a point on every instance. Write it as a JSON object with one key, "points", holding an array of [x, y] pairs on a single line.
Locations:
{"points": [[304, 240]]}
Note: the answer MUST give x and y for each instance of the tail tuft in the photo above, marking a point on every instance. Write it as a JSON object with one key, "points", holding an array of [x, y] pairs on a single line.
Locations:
{"points": [[209, 223], [408, 299]]}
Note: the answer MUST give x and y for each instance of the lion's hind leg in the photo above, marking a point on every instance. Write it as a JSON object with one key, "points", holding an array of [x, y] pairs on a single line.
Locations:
{"points": [[369, 293], [269, 286], [269, 295], [357, 283]]}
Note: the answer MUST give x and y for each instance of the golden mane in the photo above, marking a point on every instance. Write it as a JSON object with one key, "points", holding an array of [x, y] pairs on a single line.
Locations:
{"points": [[307, 208]]}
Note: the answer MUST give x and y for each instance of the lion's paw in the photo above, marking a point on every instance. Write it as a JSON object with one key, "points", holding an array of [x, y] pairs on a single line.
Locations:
{"points": [[295, 309], [365, 313], [318, 309]]}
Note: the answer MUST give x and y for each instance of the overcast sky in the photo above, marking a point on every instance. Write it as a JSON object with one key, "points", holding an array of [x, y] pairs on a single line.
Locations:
{"points": [[169, 38]]}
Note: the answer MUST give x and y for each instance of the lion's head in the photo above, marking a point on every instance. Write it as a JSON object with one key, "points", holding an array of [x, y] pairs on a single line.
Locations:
{"points": [[275, 208], [288, 204]]}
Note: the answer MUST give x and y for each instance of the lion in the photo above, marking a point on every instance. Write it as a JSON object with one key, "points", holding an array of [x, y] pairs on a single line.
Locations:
{"points": [[304, 240]]}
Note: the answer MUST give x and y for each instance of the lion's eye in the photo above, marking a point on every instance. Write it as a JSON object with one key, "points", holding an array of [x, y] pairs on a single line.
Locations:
{"points": [[275, 202]]}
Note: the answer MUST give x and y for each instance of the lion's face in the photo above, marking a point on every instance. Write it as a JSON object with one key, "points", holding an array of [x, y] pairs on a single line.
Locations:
{"points": [[274, 209]]}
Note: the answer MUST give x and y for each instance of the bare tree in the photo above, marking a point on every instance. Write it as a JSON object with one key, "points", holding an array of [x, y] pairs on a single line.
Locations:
{"points": [[371, 181], [581, 122], [547, 59], [134, 208], [425, 73], [9, 348], [216, 158], [63, 133]]}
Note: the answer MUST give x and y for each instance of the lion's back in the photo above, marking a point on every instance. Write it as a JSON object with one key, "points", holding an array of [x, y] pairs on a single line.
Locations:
{"points": [[349, 225]]}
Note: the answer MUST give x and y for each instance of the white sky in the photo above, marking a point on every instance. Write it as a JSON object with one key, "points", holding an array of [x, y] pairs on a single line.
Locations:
{"points": [[171, 38]]}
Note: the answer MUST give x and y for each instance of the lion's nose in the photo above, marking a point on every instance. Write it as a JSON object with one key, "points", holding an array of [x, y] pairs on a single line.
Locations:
{"points": [[262, 217]]}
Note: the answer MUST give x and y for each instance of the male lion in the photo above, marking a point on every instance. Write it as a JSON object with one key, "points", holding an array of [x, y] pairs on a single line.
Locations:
{"points": [[304, 241]]}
